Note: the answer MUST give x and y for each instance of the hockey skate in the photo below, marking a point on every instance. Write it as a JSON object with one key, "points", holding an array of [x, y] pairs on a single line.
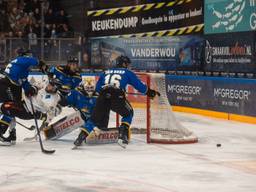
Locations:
{"points": [[11, 139], [81, 137], [12, 136], [5, 141], [123, 136], [12, 132]]}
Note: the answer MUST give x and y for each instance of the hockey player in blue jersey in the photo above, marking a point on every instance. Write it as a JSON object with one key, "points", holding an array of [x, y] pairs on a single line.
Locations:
{"points": [[12, 81], [82, 99], [111, 88], [66, 77]]}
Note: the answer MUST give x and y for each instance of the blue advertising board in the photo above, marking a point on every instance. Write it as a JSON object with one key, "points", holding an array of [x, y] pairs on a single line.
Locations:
{"points": [[223, 16], [150, 53], [231, 95]]}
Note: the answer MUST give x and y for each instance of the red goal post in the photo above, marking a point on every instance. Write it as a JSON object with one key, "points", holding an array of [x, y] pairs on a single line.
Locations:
{"points": [[155, 117]]}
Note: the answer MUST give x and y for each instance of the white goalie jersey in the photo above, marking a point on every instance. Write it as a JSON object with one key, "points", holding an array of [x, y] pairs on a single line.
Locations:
{"points": [[44, 101]]}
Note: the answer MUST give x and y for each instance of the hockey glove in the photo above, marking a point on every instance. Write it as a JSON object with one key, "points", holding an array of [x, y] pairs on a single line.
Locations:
{"points": [[152, 93], [31, 91], [43, 67]]}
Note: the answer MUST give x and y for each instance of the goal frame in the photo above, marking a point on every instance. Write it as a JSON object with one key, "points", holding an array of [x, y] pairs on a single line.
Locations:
{"points": [[148, 118]]}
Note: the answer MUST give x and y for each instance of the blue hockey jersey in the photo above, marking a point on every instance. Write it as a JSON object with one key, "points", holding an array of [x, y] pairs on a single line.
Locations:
{"points": [[79, 101], [18, 70], [67, 81], [120, 78]]}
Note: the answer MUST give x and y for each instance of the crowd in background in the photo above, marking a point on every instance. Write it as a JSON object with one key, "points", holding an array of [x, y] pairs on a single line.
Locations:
{"points": [[23, 18]]}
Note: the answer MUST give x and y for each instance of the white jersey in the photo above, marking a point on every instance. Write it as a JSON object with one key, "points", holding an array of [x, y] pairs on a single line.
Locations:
{"points": [[44, 102]]}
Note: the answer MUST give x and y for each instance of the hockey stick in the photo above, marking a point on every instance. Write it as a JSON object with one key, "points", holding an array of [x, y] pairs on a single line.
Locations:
{"points": [[140, 94], [38, 131], [35, 135], [31, 128], [129, 93]]}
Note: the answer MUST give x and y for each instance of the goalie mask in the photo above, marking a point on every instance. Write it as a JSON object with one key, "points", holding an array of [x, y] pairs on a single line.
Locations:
{"points": [[89, 87]]}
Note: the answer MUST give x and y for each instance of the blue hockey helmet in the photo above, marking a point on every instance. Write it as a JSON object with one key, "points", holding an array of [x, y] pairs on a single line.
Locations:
{"points": [[24, 52], [72, 59]]}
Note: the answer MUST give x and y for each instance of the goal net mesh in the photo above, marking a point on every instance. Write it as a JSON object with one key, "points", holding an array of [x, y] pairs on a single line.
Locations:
{"points": [[155, 117]]}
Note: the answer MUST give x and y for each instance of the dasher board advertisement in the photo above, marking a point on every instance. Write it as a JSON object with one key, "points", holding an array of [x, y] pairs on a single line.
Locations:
{"points": [[231, 95]]}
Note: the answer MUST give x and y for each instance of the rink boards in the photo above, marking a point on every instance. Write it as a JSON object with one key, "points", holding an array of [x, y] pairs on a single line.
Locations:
{"points": [[227, 98]]}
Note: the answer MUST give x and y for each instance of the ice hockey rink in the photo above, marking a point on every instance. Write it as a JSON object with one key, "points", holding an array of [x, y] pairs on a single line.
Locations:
{"points": [[141, 167]]}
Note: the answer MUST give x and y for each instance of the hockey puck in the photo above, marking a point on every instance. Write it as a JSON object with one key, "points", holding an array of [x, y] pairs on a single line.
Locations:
{"points": [[218, 145]]}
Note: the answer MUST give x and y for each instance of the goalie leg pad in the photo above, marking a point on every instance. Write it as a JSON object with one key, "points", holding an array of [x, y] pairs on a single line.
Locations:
{"points": [[63, 126], [109, 135]]}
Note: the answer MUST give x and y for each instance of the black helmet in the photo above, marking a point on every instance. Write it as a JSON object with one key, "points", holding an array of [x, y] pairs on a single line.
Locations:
{"points": [[122, 61], [72, 59], [23, 52]]}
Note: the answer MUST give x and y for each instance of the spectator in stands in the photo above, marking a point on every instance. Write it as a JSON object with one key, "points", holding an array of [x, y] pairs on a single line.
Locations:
{"points": [[85, 59], [37, 15], [3, 5], [29, 26], [4, 23], [31, 5], [37, 29], [65, 31], [2, 47], [12, 17], [49, 17], [10, 34], [32, 39], [24, 23], [53, 32], [62, 17], [47, 31]]}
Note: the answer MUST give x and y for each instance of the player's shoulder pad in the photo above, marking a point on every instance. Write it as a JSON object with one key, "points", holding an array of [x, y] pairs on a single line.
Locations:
{"points": [[95, 94], [59, 68], [77, 75], [77, 89]]}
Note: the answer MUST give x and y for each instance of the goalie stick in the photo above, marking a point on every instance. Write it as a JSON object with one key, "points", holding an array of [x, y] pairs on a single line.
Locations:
{"points": [[38, 131]]}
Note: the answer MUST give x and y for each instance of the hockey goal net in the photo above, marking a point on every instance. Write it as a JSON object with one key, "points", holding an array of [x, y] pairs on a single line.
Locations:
{"points": [[155, 117]]}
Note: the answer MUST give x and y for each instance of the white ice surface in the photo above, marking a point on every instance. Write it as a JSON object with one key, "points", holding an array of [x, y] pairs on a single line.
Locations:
{"points": [[200, 167]]}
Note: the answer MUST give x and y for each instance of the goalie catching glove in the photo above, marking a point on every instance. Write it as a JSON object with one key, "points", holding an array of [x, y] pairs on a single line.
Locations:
{"points": [[152, 93]]}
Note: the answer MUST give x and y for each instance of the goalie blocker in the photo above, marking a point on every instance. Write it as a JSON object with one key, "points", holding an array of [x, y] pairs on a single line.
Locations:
{"points": [[73, 121]]}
